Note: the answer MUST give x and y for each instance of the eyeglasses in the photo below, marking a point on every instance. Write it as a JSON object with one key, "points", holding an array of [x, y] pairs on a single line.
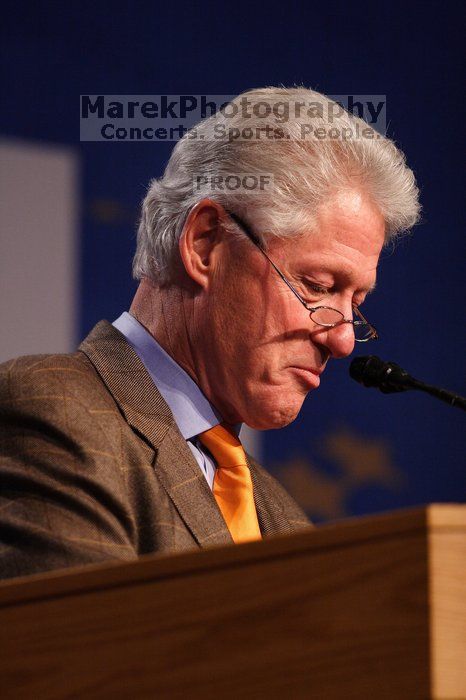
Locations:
{"points": [[324, 316]]}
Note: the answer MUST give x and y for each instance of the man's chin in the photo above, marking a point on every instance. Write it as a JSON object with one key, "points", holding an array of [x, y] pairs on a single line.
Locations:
{"points": [[274, 418]]}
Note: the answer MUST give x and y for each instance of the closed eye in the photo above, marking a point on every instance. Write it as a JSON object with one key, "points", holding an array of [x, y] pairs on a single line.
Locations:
{"points": [[316, 288]]}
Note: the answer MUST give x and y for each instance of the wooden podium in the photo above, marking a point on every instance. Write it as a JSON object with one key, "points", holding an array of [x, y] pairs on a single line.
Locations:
{"points": [[368, 608]]}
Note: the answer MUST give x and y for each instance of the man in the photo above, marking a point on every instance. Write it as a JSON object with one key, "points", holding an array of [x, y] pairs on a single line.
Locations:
{"points": [[129, 445]]}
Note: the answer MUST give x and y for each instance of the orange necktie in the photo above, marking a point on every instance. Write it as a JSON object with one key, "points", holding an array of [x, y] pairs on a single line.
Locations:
{"points": [[232, 483]]}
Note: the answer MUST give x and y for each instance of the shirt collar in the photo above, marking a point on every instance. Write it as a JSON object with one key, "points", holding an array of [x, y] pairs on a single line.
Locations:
{"points": [[192, 411]]}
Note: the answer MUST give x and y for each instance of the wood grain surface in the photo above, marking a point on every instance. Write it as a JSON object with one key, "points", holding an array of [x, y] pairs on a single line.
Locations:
{"points": [[366, 608]]}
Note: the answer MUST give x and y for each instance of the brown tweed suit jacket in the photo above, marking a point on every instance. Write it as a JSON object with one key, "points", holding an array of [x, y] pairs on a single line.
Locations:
{"points": [[93, 466]]}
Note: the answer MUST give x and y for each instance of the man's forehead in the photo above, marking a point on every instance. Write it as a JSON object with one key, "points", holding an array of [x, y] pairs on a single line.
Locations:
{"points": [[328, 247]]}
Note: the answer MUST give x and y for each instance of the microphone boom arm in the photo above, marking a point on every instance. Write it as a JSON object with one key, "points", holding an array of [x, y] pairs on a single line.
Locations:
{"points": [[390, 378]]}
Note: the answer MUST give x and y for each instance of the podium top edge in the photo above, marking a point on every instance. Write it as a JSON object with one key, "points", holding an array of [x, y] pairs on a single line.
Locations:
{"points": [[446, 515], [151, 567]]}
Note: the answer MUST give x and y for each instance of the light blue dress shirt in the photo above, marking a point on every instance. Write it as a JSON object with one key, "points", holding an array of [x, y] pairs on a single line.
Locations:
{"points": [[192, 412]]}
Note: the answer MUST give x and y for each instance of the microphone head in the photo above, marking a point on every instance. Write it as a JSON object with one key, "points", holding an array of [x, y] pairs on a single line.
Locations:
{"points": [[358, 370], [372, 371]]}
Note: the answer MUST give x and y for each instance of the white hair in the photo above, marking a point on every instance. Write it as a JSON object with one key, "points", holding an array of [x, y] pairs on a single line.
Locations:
{"points": [[305, 171]]}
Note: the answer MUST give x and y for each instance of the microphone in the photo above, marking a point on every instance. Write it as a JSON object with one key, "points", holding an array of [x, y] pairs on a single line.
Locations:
{"points": [[390, 378]]}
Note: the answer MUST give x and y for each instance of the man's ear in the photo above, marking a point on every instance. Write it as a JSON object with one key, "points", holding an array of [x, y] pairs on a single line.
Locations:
{"points": [[199, 241]]}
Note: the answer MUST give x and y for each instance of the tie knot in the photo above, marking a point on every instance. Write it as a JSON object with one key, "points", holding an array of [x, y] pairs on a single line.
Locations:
{"points": [[224, 446]]}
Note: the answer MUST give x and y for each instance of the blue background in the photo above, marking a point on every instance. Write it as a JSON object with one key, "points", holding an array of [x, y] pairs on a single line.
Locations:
{"points": [[332, 457]]}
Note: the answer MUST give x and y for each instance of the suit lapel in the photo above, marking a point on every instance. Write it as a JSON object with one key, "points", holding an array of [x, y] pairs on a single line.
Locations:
{"points": [[189, 491], [270, 511], [148, 414]]}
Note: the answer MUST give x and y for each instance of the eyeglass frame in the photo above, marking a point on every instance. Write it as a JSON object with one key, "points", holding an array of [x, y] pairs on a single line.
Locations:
{"points": [[354, 322]]}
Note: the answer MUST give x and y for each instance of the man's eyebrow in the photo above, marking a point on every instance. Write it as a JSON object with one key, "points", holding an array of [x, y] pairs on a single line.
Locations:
{"points": [[343, 274]]}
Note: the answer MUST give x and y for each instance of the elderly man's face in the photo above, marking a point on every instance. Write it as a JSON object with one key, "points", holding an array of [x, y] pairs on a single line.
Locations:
{"points": [[261, 352]]}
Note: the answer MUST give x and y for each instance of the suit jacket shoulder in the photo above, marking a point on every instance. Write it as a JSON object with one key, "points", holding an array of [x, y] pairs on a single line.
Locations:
{"points": [[63, 478], [93, 466]]}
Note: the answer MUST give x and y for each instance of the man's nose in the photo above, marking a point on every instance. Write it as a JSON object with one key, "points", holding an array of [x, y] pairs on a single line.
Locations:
{"points": [[339, 341]]}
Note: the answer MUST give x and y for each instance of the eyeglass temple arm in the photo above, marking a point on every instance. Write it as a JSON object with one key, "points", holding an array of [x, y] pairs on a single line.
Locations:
{"points": [[259, 245]]}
